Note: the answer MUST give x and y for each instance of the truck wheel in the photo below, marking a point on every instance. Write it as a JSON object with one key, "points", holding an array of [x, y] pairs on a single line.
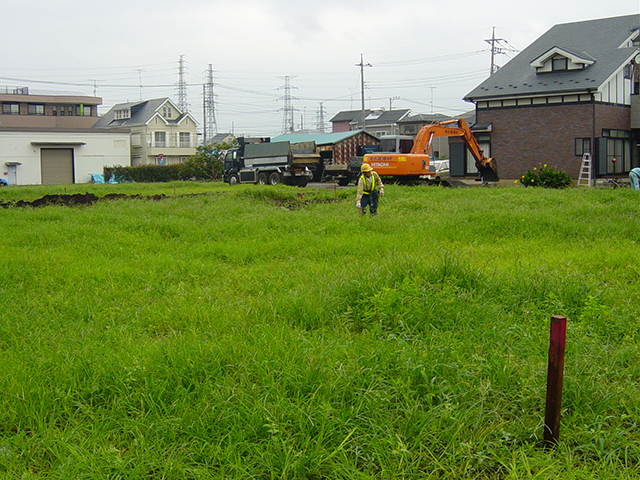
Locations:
{"points": [[302, 182], [233, 180], [274, 178], [343, 182], [262, 178]]}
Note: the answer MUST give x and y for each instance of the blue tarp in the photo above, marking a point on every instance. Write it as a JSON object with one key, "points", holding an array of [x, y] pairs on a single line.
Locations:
{"points": [[98, 179]]}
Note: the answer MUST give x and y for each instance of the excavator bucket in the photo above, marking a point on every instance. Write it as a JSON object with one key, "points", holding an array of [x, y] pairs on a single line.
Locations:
{"points": [[488, 170]]}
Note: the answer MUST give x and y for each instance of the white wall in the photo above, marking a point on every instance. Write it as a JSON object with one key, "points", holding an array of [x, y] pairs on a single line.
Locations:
{"points": [[102, 148]]}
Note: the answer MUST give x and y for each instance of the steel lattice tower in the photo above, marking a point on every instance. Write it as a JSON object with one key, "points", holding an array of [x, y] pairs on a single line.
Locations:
{"points": [[181, 86], [209, 107], [320, 124], [288, 125]]}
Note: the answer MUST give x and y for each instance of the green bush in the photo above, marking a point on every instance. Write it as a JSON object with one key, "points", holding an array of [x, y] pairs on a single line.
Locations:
{"points": [[143, 173], [545, 177], [206, 164]]}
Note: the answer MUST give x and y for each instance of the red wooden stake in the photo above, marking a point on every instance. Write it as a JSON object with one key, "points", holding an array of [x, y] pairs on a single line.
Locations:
{"points": [[555, 374]]}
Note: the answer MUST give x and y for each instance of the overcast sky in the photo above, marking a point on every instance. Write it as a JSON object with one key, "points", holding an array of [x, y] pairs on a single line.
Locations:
{"points": [[424, 55]]}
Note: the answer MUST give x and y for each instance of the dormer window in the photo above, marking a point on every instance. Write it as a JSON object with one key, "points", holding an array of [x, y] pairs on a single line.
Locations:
{"points": [[122, 114], [559, 60], [559, 63], [166, 111]]}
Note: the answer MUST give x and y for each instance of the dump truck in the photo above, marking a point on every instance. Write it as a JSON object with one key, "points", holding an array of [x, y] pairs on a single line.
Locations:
{"points": [[267, 163], [417, 164]]}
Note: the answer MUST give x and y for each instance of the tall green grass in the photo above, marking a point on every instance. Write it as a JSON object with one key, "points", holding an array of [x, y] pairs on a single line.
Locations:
{"points": [[250, 333]]}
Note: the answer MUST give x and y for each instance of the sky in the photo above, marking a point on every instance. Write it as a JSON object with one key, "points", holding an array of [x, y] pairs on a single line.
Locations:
{"points": [[420, 55]]}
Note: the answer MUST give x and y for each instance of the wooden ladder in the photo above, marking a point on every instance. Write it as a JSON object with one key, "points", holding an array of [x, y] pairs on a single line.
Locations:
{"points": [[586, 176]]}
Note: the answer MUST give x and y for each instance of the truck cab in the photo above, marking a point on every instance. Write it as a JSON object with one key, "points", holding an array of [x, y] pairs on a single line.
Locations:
{"points": [[265, 163]]}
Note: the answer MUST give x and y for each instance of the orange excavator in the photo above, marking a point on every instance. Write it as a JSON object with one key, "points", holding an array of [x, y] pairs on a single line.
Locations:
{"points": [[416, 164]]}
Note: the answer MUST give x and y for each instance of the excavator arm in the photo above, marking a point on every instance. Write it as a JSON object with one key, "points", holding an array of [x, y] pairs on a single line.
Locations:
{"points": [[457, 128]]}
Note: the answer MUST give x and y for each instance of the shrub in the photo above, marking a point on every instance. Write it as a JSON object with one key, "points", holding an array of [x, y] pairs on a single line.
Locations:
{"points": [[143, 173], [545, 177], [206, 164]]}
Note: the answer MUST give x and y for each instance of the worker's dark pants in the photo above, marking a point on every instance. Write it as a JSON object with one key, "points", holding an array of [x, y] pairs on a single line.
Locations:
{"points": [[372, 201]]}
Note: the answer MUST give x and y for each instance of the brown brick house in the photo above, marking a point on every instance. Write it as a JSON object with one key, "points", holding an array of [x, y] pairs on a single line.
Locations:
{"points": [[573, 91]]}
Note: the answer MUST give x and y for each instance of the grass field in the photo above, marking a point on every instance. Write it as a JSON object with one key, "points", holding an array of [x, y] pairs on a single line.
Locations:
{"points": [[249, 333]]}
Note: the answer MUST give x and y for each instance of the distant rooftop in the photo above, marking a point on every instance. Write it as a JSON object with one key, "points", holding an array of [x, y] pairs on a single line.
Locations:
{"points": [[7, 90]]}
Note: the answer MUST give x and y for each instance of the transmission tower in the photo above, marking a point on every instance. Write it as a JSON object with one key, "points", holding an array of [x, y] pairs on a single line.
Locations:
{"points": [[209, 107], [320, 125], [288, 125], [181, 86]]}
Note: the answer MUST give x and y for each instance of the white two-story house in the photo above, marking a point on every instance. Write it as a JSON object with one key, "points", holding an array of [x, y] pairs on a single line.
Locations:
{"points": [[160, 133]]}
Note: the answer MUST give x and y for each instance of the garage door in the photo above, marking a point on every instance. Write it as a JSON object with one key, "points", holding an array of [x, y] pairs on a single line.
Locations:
{"points": [[56, 165]]}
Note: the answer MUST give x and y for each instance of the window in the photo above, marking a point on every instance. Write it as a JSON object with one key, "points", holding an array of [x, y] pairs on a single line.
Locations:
{"points": [[160, 139], [185, 139], [54, 110], [166, 111], [10, 109], [620, 150], [122, 114], [484, 141], [36, 109], [583, 145], [559, 63]]}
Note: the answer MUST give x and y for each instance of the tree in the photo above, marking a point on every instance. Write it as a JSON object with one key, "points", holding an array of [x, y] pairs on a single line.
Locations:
{"points": [[206, 164]]}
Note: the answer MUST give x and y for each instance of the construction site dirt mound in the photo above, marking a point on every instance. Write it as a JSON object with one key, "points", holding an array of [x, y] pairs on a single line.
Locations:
{"points": [[76, 200]]}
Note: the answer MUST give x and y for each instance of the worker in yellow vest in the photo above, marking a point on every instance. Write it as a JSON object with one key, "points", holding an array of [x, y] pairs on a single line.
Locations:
{"points": [[370, 188]]}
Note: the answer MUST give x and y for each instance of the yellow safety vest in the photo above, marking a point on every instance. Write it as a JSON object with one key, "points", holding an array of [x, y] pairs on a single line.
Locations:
{"points": [[364, 184]]}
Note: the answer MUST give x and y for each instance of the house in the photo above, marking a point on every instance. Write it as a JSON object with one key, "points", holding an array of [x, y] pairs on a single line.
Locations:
{"points": [[21, 109], [160, 133], [48, 156], [220, 138], [573, 91], [377, 122], [48, 139]]}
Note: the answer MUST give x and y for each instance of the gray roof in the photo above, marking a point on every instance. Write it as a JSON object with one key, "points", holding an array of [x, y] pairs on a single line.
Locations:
{"points": [[141, 112], [386, 117], [597, 40], [425, 118], [319, 138], [220, 137]]}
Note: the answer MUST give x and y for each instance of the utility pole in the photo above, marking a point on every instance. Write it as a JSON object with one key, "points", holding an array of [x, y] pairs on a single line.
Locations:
{"points": [[391, 99], [182, 87], [362, 65], [495, 50], [287, 120], [209, 106]]}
